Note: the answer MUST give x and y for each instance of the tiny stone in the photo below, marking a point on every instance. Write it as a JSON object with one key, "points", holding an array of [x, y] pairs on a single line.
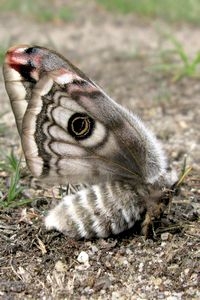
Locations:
{"points": [[165, 236], [59, 266], [160, 296], [167, 282], [157, 281], [83, 257], [125, 262], [94, 249], [141, 265], [194, 278], [82, 267], [122, 260], [186, 271], [173, 267], [191, 291], [128, 251], [183, 124], [163, 244], [116, 295], [88, 290]]}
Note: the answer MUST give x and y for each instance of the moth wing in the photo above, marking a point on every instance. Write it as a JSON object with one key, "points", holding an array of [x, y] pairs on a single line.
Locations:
{"points": [[71, 130]]}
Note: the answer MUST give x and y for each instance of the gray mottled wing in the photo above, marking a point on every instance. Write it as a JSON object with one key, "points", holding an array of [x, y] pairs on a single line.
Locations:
{"points": [[70, 128]]}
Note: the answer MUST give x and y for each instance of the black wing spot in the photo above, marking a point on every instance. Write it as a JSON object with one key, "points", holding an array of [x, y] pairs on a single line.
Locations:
{"points": [[80, 126], [25, 71], [31, 50]]}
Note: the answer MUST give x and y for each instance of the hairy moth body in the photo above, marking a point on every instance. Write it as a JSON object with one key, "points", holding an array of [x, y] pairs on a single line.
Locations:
{"points": [[71, 131]]}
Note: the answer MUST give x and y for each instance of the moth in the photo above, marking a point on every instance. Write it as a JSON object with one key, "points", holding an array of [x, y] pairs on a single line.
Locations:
{"points": [[72, 131]]}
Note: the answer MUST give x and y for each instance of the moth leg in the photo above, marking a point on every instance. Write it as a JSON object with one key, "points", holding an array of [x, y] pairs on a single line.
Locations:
{"points": [[156, 206]]}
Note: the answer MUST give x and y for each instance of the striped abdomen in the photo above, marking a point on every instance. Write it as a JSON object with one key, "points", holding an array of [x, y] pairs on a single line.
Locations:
{"points": [[98, 211]]}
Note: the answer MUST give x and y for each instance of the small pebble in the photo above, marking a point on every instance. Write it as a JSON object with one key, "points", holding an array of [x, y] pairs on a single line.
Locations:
{"points": [[172, 298], [59, 266], [165, 236], [83, 257], [141, 265], [94, 249], [157, 281], [128, 251]]}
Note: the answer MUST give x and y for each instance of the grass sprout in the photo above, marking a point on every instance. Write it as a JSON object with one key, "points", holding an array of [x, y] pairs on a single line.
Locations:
{"points": [[13, 197], [177, 63], [3, 49], [169, 10], [40, 10], [184, 172]]}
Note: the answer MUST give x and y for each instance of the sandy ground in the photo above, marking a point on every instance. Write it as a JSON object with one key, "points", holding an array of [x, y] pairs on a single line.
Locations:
{"points": [[118, 52]]}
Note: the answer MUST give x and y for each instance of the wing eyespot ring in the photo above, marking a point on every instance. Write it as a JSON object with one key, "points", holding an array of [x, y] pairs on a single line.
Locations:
{"points": [[80, 126]]}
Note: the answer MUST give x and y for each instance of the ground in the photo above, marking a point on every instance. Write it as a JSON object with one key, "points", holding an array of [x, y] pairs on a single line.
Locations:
{"points": [[119, 53]]}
